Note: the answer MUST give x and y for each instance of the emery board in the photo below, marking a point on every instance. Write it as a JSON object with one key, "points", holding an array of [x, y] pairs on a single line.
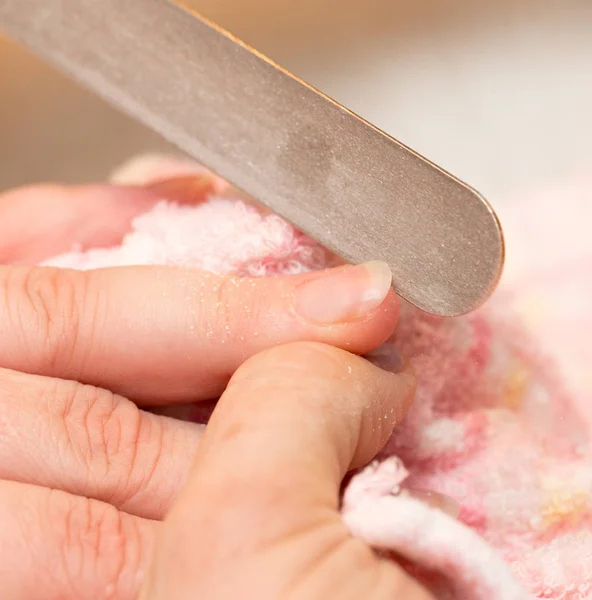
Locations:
{"points": [[333, 175]]}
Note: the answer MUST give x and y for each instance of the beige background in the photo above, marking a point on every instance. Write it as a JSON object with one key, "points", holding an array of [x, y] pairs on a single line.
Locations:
{"points": [[497, 91]]}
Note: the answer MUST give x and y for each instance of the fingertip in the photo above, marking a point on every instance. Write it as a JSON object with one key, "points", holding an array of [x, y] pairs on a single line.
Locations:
{"points": [[170, 174], [348, 307], [401, 381], [344, 294], [404, 387], [382, 322], [152, 166], [382, 396], [188, 189], [393, 392], [351, 307], [368, 334]]}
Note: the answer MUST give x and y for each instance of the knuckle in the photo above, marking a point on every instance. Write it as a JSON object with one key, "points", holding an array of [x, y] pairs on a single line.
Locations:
{"points": [[98, 545], [10, 391], [139, 454], [44, 305], [118, 446], [18, 396], [85, 412]]}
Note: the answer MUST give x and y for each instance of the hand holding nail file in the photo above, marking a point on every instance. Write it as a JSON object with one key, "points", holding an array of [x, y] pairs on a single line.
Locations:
{"points": [[356, 190]]}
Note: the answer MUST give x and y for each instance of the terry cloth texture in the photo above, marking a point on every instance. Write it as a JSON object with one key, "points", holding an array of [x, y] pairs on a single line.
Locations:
{"points": [[502, 419]]}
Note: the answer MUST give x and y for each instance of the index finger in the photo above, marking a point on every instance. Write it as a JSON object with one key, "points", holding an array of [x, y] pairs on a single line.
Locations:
{"points": [[165, 335]]}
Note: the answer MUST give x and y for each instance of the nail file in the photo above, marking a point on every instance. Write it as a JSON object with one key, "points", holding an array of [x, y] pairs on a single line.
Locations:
{"points": [[356, 190]]}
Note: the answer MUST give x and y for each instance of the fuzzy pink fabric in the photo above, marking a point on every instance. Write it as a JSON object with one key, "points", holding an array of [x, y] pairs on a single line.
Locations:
{"points": [[502, 420]]}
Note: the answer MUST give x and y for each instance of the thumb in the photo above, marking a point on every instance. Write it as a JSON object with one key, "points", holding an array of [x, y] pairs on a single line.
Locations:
{"points": [[259, 517]]}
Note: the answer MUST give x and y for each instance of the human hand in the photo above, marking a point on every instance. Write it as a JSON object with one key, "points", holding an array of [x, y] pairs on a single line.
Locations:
{"points": [[258, 518], [84, 475]]}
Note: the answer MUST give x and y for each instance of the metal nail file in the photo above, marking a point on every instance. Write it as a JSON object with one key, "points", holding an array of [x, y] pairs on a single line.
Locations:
{"points": [[333, 175]]}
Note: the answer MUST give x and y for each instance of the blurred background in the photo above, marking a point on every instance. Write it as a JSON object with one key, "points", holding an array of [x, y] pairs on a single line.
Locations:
{"points": [[497, 91]]}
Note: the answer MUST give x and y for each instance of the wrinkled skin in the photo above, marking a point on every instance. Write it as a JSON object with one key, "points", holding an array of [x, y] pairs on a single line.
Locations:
{"points": [[101, 498]]}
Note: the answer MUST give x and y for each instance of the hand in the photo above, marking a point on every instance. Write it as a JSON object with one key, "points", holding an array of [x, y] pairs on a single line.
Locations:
{"points": [[259, 516], [85, 476]]}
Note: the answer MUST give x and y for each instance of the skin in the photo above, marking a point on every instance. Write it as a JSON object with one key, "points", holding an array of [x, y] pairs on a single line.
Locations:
{"points": [[101, 499]]}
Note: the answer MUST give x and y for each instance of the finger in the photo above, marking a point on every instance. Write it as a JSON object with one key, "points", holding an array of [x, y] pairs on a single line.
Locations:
{"points": [[56, 546], [154, 333], [41, 221], [90, 442], [174, 177], [152, 168], [291, 423]]}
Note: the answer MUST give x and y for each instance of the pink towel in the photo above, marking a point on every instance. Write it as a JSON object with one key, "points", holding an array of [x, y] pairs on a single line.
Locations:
{"points": [[502, 420]]}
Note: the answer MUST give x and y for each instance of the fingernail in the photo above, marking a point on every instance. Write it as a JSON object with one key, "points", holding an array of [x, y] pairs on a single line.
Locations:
{"points": [[344, 294], [191, 189], [144, 168], [387, 357], [437, 500]]}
